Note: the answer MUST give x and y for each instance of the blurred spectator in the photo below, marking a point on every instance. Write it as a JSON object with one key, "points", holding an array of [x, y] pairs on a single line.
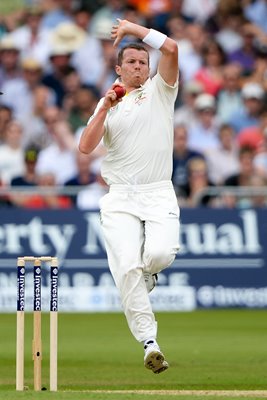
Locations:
{"points": [[181, 155], [246, 54], [247, 116], [109, 11], [186, 113], [190, 194], [199, 10], [33, 121], [246, 168], [229, 18], [60, 11], [89, 197], [211, 73], [256, 12], [6, 115], [11, 152], [59, 157], [72, 84], [190, 48], [31, 39], [19, 94], [203, 135], [43, 198], [258, 199], [223, 161], [9, 60], [87, 59], [229, 99], [85, 101], [29, 178], [260, 159], [66, 38], [5, 198], [253, 135]]}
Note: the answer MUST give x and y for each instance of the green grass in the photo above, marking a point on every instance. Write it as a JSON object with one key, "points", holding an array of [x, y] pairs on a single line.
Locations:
{"points": [[207, 350]]}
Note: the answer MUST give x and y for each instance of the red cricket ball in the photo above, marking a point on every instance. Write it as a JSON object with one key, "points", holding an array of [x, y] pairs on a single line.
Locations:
{"points": [[120, 91]]}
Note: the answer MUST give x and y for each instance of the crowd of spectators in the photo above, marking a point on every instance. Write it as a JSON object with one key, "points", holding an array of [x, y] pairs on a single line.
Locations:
{"points": [[57, 60]]}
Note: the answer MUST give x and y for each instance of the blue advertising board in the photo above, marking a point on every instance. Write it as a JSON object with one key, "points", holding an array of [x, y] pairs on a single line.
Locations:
{"points": [[222, 260]]}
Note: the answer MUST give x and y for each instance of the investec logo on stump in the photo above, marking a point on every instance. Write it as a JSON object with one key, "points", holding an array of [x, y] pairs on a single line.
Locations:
{"points": [[37, 289], [21, 289], [54, 289]]}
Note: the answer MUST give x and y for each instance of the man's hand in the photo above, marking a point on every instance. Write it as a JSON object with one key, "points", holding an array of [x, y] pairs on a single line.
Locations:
{"points": [[120, 30], [111, 99]]}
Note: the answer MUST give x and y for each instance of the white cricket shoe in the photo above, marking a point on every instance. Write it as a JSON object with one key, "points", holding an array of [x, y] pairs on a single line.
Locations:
{"points": [[154, 358], [150, 280]]}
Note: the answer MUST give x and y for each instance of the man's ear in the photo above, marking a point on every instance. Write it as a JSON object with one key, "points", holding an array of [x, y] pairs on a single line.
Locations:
{"points": [[118, 70]]}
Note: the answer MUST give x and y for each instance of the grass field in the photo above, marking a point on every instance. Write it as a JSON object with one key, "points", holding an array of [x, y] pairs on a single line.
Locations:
{"points": [[208, 351]]}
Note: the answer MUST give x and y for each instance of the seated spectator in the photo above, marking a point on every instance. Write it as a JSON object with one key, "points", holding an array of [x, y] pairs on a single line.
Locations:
{"points": [[19, 93], [210, 75], [43, 198], [248, 116], [190, 195], [245, 56], [181, 155], [223, 161], [260, 159], [229, 100], [6, 115], [11, 152], [253, 135], [29, 178], [5, 198], [258, 199], [203, 134], [85, 101], [186, 113], [10, 61], [84, 175], [59, 157], [89, 197]]}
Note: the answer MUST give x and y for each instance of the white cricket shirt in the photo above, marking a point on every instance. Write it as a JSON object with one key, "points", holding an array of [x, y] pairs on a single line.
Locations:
{"points": [[139, 135]]}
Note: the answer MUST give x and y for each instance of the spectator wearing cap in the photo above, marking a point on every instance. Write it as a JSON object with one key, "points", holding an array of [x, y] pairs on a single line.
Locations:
{"points": [[65, 39], [10, 56], [29, 178], [19, 94], [253, 100], [186, 113], [203, 135]]}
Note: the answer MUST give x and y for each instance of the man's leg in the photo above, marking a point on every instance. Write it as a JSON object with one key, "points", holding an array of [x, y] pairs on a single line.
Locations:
{"points": [[124, 238]]}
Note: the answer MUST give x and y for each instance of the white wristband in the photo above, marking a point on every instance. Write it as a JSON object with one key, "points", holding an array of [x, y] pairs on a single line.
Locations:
{"points": [[154, 39]]}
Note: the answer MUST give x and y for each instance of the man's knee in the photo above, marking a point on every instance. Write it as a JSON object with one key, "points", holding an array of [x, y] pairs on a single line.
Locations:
{"points": [[157, 258]]}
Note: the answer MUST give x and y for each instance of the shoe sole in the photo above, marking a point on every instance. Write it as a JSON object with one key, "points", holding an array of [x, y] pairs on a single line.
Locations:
{"points": [[155, 361]]}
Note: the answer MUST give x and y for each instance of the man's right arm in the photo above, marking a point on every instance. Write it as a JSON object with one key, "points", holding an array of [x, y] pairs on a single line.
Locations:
{"points": [[94, 131]]}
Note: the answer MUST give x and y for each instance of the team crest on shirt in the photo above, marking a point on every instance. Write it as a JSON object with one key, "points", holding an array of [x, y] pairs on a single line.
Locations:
{"points": [[140, 97]]}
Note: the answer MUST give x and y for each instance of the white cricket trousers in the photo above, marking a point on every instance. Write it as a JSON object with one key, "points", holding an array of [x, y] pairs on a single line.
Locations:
{"points": [[141, 232]]}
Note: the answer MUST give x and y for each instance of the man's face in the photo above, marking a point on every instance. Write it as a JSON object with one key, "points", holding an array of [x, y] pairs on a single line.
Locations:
{"points": [[134, 70]]}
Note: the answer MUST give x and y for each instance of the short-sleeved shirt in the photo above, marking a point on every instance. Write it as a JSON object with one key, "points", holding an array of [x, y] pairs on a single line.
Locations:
{"points": [[139, 135]]}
